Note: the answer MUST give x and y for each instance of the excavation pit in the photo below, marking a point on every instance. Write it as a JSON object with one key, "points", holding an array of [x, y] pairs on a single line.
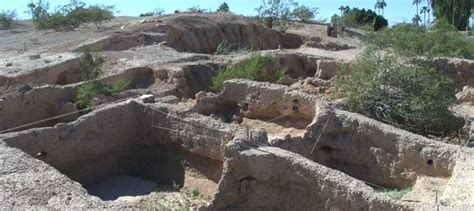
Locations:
{"points": [[109, 149]]}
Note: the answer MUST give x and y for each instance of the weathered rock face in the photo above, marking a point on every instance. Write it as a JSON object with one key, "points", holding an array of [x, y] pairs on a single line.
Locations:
{"points": [[271, 178], [204, 32]]}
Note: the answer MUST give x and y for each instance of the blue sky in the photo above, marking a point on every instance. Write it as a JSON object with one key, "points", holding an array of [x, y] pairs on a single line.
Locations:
{"points": [[396, 11]]}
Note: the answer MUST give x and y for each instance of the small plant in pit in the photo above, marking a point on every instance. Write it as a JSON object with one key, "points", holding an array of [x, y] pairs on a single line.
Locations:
{"points": [[394, 193], [256, 67], [189, 197], [90, 67], [224, 48]]}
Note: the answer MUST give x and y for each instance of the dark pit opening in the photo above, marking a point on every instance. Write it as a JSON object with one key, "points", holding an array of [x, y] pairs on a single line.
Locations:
{"points": [[429, 162]]}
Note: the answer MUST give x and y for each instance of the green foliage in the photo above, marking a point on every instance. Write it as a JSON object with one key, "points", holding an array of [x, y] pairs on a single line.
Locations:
{"points": [[276, 13], [395, 193], [70, 16], [224, 48], [411, 97], [256, 67], [90, 66], [195, 9], [361, 18], [7, 17], [224, 7], [443, 10], [155, 12], [410, 40], [304, 14], [188, 198], [90, 69]]}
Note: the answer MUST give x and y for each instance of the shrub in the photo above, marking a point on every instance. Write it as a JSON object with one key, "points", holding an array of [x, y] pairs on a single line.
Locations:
{"points": [[90, 69], [224, 48], [155, 12], [70, 16], [411, 97], [224, 7], [276, 13], [410, 40], [304, 14], [256, 67], [7, 17], [363, 19]]}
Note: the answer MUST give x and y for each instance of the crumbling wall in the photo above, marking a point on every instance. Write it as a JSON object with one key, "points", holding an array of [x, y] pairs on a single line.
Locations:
{"points": [[377, 152], [272, 178], [33, 105], [65, 72], [263, 101]]}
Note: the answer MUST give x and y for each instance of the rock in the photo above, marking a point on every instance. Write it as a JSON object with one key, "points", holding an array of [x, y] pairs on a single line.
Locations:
{"points": [[34, 57], [200, 95], [149, 98], [168, 99], [466, 95]]}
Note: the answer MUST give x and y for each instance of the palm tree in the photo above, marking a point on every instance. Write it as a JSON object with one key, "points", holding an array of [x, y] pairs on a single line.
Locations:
{"points": [[383, 4], [430, 4], [416, 19], [423, 11], [417, 2], [342, 8]]}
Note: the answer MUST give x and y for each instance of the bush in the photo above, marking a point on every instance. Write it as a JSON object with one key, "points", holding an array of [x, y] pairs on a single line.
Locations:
{"points": [[70, 16], [224, 48], [304, 14], [363, 19], [224, 7], [7, 17], [276, 13], [410, 40], [411, 97], [90, 69], [256, 67], [156, 12]]}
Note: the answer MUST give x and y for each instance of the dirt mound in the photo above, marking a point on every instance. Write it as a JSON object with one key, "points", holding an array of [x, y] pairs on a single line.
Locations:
{"points": [[199, 33]]}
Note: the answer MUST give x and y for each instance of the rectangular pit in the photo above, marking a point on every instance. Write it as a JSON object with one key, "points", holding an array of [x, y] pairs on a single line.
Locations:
{"points": [[118, 145]]}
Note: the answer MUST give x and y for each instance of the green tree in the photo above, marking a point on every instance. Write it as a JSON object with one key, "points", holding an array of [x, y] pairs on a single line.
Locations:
{"points": [[70, 16], [455, 11], [7, 17], [380, 5], [195, 9], [417, 18], [276, 12], [424, 10], [304, 14], [224, 7]]}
